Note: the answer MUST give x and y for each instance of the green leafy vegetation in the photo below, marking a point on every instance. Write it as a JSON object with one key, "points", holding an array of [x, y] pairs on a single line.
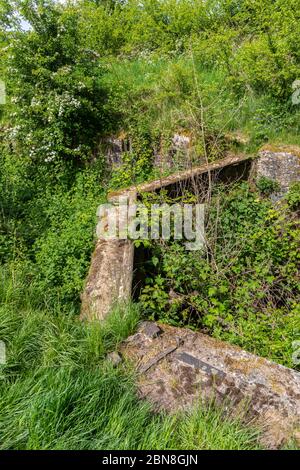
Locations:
{"points": [[243, 288], [221, 72]]}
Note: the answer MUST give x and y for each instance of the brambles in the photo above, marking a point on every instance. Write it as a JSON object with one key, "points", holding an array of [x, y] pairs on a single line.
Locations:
{"points": [[267, 186], [244, 287], [293, 197]]}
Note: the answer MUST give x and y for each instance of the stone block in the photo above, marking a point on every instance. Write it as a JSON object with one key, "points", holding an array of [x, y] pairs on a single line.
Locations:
{"points": [[180, 367]]}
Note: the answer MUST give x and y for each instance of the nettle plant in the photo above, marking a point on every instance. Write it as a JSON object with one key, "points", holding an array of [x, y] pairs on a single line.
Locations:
{"points": [[54, 84], [244, 286]]}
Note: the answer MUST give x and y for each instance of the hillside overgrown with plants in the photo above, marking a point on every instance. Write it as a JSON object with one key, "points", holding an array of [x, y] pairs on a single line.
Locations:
{"points": [[76, 74]]}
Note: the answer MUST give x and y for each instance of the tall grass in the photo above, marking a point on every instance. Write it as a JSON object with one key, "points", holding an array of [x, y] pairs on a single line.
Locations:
{"points": [[57, 391], [162, 94]]}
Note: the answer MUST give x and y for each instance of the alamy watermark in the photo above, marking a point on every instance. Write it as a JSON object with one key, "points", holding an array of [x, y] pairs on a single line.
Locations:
{"points": [[2, 92], [125, 219]]}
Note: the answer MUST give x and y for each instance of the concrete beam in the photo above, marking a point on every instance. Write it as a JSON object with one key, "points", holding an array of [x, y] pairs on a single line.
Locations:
{"points": [[182, 176]]}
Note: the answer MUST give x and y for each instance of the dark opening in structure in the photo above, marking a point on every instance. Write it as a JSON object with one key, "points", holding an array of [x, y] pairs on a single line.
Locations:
{"points": [[199, 185]]}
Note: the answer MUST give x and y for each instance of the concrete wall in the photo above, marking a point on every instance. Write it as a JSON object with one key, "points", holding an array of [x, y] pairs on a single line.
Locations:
{"points": [[178, 368]]}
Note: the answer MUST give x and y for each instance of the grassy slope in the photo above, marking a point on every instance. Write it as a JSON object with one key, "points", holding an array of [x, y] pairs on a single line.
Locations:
{"points": [[164, 94], [57, 391]]}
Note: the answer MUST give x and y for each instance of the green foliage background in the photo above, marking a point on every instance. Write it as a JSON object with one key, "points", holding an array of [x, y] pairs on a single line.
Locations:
{"points": [[244, 287]]}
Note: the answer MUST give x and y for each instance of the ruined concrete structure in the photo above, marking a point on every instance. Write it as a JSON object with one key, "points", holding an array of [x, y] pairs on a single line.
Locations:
{"points": [[178, 368], [111, 272], [179, 152], [110, 276], [176, 156], [114, 148]]}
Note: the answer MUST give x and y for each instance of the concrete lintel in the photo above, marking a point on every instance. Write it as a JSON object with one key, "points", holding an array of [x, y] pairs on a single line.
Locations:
{"points": [[230, 160]]}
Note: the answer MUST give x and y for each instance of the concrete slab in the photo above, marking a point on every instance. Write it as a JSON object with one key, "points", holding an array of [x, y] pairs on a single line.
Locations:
{"points": [[179, 367]]}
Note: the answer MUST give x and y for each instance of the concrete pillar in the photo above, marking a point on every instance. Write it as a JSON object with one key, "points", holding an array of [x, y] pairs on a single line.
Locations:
{"points": [[280, 164], [109, 280]]}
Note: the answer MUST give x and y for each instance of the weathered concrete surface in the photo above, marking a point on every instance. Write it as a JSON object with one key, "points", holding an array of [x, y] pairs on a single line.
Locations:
{"points": [[114, 358], [114, 147], [176, 156], [178, 367], [109, 279], [280, 164]]}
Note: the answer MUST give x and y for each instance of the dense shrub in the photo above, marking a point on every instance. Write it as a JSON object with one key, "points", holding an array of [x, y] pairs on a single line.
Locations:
{"points": [[63, 250], [55, 87], [256, 42], [244, 287]]}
